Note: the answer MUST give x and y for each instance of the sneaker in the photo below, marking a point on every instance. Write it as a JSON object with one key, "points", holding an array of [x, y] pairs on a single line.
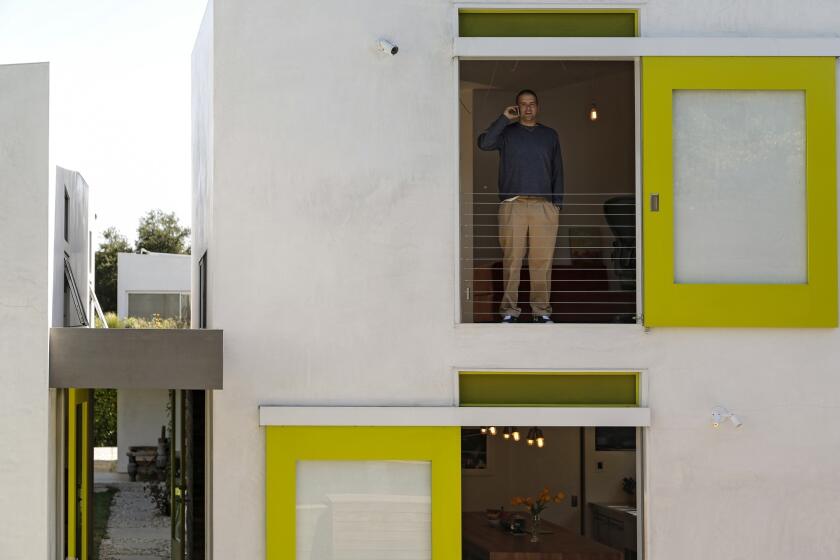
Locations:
{"points": [[509, 319], [543, 319]]}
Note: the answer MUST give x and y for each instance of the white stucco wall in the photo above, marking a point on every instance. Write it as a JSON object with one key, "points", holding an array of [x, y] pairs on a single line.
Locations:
{"points": [[24, 312], [140, 414], [150, 273], [333, 255], [77, 246]]}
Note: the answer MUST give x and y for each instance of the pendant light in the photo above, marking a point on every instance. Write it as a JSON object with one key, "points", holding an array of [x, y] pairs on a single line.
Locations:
{"points": [[532, 436], [593, 113]]}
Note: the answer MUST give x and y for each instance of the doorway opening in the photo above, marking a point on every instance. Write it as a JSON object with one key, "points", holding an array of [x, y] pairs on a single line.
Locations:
{"points": [[134, 474], [590, 275], [547, 492]]}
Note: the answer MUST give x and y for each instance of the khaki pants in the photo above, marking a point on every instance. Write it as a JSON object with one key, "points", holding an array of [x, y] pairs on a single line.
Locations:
{"points": [[527, 223]]}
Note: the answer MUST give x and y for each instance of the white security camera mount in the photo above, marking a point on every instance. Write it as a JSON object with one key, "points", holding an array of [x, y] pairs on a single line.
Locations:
{"points": [[387, 47], [720, 414]]}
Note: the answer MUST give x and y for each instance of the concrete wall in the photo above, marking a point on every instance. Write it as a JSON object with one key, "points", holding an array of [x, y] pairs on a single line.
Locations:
{"points": [[25, 461], [150, 273], [140, 414], [334, 218]]}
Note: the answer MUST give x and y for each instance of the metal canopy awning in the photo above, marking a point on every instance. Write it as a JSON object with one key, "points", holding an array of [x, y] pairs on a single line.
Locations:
{"points": [[135, 358]]}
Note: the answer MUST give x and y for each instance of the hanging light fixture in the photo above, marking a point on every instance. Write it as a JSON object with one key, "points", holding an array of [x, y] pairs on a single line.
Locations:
{"points": [[532, 436], [507, 432], [492, 430], [515, 434], [593, 113], [483, 430], [540, 438]]}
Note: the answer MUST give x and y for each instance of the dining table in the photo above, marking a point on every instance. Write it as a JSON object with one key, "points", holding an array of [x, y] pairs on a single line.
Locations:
{"points": [[483, 541]]}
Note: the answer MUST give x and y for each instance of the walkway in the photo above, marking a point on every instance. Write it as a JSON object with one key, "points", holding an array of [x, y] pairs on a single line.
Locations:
{"points": [[135, 530]]}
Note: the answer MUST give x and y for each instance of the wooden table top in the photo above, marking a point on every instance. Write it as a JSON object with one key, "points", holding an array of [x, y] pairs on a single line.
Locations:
{"points": [[492, 543]]}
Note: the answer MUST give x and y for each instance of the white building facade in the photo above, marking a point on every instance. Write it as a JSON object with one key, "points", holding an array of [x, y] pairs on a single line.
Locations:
{"points": [[148, 284], [328, 236], [153, 284]]}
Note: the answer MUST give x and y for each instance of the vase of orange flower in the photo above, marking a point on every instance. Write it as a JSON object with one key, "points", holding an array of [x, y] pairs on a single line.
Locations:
{"points": [[536, 506]]}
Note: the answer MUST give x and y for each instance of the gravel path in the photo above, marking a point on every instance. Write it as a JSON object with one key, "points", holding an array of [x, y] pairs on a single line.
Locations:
{"points": [[135, 530]]}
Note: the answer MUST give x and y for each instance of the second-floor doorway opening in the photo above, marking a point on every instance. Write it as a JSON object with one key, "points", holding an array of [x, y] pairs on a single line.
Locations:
{"points": [[548, 222]]}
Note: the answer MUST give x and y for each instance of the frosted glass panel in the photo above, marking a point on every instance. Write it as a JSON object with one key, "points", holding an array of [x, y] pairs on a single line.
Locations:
{"points": [[739, 187], [364, 510]]}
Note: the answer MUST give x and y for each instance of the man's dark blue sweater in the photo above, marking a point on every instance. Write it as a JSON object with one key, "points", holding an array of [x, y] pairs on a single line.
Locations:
{"points": [[530, 162]]}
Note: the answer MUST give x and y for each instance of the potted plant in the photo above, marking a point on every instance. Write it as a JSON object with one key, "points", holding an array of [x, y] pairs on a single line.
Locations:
{"points": [[536, 506]]}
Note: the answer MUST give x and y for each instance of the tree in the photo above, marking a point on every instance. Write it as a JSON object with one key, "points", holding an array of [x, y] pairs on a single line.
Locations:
{"points": [[159, 232], [105, 418], [106, 267]]}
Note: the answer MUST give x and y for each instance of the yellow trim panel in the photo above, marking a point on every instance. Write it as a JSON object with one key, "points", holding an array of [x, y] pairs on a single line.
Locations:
{"points": [[740, 305], [285, 446]]}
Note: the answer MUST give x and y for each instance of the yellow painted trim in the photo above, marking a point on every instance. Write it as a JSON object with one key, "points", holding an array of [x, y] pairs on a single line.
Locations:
{"points": [[285, 446], [740, 305], [560, 11], [635, 374], [71, 473], [78, 397]]}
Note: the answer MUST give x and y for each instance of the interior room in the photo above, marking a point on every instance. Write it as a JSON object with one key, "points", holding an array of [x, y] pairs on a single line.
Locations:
{"points": [[591, 105], [580, 480]]}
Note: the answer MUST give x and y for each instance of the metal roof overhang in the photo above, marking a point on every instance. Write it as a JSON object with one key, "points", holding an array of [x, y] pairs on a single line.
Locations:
{"points": [[135, 358]]}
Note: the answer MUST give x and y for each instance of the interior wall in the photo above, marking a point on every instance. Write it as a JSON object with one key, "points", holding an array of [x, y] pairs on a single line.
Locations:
{"points": [[598, 157], [140, 415], [604, 472], [516, 469]]}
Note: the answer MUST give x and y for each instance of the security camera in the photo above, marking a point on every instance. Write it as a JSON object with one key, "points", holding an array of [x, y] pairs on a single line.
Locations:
{"points": [[387, 47], [721, 414]]}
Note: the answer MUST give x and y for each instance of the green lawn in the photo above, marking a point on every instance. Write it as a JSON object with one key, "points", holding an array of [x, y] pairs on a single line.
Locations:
{"points": [[101, 511]]}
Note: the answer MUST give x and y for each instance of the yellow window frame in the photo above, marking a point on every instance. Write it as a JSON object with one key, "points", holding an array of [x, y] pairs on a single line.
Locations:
{"points": [[286, 445], [667, 303]]}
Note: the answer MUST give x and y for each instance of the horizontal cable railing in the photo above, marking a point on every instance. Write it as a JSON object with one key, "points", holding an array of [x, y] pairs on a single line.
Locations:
{"points": [[592, 275]]}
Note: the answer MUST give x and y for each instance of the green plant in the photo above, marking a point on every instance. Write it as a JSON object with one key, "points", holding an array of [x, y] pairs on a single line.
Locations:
{"points": [[158, 491], [105, 418], [629, 485], [102, 502]]}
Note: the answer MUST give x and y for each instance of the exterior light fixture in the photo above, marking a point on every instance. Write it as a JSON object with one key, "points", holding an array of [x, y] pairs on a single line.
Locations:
{"points": [[507, 432], [593, 113], [515, 434], [492, 430], [540, 438], [721, 414]]}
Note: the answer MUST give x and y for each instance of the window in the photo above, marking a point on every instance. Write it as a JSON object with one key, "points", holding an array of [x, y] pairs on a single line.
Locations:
{"points": [[66, 215], [577, 264], [364, 509], [164, 305]]}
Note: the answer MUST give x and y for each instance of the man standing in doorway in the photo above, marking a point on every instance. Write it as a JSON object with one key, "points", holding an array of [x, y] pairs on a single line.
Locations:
{"points": [[531, 193]]}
